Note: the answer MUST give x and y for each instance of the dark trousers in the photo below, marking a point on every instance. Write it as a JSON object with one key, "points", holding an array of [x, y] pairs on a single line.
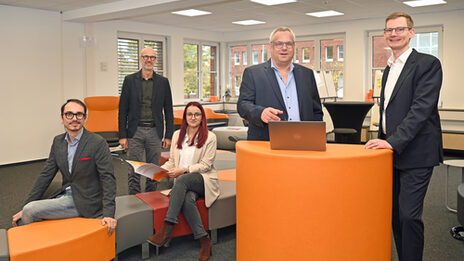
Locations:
{"points": [[145, 141], [409, 188], [184, 195]]}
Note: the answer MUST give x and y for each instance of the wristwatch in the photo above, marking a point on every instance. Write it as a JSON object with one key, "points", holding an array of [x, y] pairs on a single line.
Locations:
{"points": [[186, 171]]}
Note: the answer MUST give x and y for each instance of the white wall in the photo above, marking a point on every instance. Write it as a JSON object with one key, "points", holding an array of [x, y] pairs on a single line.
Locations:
{"points": [[43, 64], [31, 76]]}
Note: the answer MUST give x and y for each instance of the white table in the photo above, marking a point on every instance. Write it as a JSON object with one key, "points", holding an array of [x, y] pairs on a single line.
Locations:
{"points": [[457, 163]]}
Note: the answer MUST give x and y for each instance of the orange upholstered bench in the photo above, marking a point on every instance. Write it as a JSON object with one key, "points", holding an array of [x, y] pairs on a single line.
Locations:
{"points": [[64, 239]]}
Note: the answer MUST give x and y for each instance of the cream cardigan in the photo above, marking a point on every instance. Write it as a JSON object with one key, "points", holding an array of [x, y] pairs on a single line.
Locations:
{"points": [[203, 162]]}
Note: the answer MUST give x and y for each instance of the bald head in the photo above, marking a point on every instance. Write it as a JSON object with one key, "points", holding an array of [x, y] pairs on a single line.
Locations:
{"points": [[148, 59], [148, 51]]}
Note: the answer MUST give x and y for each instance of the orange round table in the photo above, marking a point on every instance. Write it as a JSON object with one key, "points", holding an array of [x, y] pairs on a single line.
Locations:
{"points": [[312, 205]]}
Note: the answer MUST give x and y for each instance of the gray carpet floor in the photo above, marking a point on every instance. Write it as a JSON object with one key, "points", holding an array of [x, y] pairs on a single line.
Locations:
{"points": [[17, 181]]}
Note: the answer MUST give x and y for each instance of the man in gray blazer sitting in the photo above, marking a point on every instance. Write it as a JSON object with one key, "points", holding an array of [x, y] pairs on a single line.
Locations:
{"points": [[89, 185]]}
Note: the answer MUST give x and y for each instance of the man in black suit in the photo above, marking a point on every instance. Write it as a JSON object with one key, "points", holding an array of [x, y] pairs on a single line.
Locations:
{"points": [[145, 107], [89, 185], [278, 89], [410, 126]]}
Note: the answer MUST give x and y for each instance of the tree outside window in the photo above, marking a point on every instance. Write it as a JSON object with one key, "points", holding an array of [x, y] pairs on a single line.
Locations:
{"points": [[306, 55], [329, 53], [200, 71]]}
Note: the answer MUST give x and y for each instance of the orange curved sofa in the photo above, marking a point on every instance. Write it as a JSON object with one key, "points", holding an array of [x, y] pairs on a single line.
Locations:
{"points": [[313, 205], [63, 239]]}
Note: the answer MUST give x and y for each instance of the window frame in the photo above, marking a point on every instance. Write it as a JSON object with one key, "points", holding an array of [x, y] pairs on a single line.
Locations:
{"points": [[141, 38], [200, 71], [303, 55], [236, 58], [342, 59], [327, 59]]}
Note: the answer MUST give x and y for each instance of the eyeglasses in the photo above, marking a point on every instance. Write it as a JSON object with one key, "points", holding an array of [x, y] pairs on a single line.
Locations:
{"points": [[146, 57], [191, 115], [280, 44], [69, 115], [398, 30]]}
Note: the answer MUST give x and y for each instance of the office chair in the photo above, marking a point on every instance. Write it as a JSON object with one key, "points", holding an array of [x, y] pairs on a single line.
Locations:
{"points": [[102, 117]]}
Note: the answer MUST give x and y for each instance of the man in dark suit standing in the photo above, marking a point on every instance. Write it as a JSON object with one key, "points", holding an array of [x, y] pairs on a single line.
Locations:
{"points": [[410, 126], [84, 160], [278, 89], [145, 107]]}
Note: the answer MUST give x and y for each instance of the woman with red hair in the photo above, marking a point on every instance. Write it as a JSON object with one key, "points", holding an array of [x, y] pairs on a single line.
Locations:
{"points": [[192, 154]]}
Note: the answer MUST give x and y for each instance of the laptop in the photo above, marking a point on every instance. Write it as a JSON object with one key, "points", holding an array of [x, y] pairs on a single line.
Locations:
{"points": [[297, 135]]}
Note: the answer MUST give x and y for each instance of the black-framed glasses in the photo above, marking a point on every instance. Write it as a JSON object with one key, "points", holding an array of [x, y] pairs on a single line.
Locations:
{"points": [[398, 30], [70, 115], [191, 115], [146, 57], [279, 44]]}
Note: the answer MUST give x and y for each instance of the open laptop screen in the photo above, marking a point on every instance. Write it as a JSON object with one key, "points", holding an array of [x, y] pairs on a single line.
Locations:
{"points": [[297, 135]]}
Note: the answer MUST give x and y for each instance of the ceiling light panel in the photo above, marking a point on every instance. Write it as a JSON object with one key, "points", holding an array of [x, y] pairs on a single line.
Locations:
{"points": [[191, 12], [419, 3], [273, 2], [325, 13], [248, 22]]}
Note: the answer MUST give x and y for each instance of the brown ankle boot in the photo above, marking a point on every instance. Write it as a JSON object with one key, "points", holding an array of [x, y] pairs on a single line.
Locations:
{"points": [[161, 236], [206, 248]]}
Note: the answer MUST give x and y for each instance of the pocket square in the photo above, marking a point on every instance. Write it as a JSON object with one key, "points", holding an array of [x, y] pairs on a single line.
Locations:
{"points": [[85, 158]]}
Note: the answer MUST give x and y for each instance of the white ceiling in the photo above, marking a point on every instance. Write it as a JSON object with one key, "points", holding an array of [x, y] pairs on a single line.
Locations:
{"points": [[224, 12]]}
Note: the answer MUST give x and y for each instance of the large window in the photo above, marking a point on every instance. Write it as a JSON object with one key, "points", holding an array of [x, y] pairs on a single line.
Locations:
{"points": [[255, 57], [340, 53], [237, 58], [304, 53], [426, 40], [236, 70], [129, 47], [332, 63], [312, 52], [329, 53], [200, 70]]}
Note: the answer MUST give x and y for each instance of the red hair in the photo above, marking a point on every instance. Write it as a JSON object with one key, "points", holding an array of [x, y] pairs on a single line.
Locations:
{"points": [[202, 132]]}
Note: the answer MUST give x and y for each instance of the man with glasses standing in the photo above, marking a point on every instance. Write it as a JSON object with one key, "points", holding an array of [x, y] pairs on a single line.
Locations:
{"points": [[145, 108], [410, 126], [278, 89], [84, 161]]}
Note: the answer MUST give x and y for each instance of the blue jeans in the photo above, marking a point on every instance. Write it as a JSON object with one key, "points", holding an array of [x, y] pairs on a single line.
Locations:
{"points": [[59, 207]]}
